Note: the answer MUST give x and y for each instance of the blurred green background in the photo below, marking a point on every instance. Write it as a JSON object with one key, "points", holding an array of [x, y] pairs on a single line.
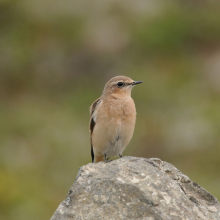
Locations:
{"points": [[56, 56]]}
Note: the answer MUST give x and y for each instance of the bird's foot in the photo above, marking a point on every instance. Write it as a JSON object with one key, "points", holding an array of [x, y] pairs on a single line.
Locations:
{"points": [[120, 155], [107, 159]]}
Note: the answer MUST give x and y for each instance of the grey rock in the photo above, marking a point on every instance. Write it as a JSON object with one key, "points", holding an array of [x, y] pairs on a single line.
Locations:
{"points": [[136, 188]]}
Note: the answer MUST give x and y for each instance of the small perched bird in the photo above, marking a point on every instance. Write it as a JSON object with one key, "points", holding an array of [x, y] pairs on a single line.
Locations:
{"points": [[112, 119]]}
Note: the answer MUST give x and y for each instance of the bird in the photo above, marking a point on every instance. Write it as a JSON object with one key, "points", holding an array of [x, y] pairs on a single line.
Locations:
{"points": [[112, 119]]}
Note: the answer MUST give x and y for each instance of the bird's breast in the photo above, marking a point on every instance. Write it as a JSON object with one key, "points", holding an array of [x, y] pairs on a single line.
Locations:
{"points": [[121, 109], [117, 116]]}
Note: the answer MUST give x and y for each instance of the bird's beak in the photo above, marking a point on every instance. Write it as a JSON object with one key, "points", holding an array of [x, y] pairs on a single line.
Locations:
{"points": [[136, 82]]}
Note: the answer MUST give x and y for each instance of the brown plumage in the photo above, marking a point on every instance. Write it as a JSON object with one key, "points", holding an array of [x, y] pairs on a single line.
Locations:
{"points": [[112, 119]]}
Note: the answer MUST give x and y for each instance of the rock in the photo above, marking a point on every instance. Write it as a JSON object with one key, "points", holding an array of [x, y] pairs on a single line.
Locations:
{"points": [[136, 188]]}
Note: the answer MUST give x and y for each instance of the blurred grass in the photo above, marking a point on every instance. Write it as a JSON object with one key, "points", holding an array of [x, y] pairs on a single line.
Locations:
{"points": [[54, 64]]}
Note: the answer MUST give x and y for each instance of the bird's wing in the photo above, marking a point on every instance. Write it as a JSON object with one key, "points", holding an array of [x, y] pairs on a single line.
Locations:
{"points": [[93, 108]]}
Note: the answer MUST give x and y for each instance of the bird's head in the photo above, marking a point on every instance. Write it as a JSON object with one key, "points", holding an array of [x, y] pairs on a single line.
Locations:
{"points": [[120, 86]]}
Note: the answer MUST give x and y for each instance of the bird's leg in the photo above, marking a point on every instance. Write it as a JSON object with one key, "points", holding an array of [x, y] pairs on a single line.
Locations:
{"points": [[106, 159], [120, 155]]}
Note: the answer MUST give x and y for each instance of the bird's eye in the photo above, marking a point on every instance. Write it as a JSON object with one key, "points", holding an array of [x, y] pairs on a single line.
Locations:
{"points": [[120, 84]]}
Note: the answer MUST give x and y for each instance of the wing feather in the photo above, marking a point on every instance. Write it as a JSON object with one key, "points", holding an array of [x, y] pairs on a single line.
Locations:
{"points": [[93, 108]]}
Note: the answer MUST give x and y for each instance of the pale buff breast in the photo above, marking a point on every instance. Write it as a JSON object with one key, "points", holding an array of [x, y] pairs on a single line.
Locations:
{"points": [[115, 121]]}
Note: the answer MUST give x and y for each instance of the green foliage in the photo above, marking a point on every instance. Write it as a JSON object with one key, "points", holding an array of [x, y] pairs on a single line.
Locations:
{"points": [[178, 29]]}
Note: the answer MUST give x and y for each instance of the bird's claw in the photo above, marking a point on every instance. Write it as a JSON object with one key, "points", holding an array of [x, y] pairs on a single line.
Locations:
{"points": [[107, 159]]}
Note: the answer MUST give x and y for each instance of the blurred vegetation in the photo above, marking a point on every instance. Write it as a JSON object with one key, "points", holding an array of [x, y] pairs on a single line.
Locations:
{"points": [[55, 59]]}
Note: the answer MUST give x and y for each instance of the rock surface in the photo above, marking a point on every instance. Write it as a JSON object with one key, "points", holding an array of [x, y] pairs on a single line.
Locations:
{"points": [[136, 188]]}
